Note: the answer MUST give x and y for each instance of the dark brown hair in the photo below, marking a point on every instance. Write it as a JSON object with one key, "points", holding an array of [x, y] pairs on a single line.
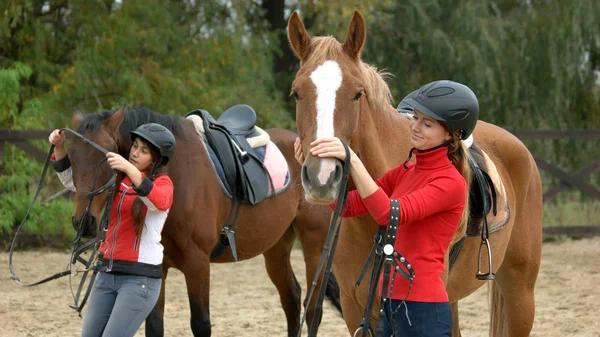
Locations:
{"points": [[137, 209]]}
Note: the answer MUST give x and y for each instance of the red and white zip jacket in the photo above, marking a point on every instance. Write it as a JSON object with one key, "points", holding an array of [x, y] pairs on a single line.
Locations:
{"points": [[123, 251]]}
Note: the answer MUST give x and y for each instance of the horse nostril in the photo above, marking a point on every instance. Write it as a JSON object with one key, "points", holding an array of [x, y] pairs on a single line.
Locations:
{"points": [[88, 223], [337, 175], [91, 221], [305, 177]]}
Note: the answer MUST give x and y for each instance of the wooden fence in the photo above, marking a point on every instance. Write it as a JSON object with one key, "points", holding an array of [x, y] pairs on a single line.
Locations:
{"points": [[20, 139], [567, 181]]}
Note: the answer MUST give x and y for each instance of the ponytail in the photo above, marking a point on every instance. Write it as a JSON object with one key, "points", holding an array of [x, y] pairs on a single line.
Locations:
{"points": [[137, 213], [458, 155], [137, 208]]}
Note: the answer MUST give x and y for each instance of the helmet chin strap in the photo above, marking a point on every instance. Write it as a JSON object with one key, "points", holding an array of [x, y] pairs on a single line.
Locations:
{"points": [[154, 170], [445, 143]]}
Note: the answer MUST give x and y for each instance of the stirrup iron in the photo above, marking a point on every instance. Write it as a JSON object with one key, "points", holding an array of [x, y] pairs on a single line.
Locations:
{"points": [[360, 328], [490, 274]]}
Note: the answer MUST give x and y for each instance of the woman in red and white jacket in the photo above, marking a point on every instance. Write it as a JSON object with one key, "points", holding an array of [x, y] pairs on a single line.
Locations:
{"points": [[130, 267], [433, 201]]}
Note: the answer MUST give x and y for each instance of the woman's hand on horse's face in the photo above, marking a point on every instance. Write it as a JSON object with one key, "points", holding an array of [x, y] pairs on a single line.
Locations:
{"points": [[329, 147], [117, 162], [298, 151], [57, 138]]}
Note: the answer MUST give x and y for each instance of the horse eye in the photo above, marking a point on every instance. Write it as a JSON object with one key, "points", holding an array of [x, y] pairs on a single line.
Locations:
{"points": [[294, 94], [358, 95]]}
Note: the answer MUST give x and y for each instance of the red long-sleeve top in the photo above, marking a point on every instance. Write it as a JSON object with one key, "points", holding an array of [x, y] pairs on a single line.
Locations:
{"points": [[432, 196]]}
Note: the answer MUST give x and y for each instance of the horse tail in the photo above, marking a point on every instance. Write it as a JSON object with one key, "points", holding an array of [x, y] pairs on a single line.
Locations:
{"points": [[497, 316], [332, 292]]}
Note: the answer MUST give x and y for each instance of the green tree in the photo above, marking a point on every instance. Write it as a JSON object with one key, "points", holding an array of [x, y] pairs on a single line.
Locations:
{"points": [[19, 174], [533, 64]]}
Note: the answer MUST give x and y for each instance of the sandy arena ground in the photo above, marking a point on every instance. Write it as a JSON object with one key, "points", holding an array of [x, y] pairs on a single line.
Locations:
{"points": [[566, 294]]}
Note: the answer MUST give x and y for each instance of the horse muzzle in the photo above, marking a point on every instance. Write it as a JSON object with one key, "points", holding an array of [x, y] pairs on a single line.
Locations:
{"points": [[86, 225], [321, 179]]}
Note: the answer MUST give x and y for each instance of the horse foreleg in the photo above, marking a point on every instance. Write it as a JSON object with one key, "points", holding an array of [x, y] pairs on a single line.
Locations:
{"points": [[279, 268], [155, 326], [353, 313], [455, 325], [197, 279]]}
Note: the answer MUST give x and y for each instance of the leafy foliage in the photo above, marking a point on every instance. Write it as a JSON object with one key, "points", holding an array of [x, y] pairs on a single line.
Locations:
{"points": [[18, 180], [533, 65]]}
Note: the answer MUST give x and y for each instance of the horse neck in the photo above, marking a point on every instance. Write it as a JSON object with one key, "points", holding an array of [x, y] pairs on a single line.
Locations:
{"points": [[382, 139]]}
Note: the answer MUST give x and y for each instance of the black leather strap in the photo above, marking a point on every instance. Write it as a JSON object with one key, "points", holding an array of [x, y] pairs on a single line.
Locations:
{"points": [[326, 259], [392, 262]]}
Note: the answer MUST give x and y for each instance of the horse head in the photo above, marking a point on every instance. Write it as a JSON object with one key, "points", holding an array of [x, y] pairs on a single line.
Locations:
{"points": [[91, 172], [334, 91]]}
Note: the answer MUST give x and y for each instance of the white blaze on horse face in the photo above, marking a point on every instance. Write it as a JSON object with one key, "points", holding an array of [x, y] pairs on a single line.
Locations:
{"points": [[327, 78]]}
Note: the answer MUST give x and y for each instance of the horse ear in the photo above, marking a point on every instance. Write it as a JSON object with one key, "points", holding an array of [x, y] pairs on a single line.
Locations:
{"points": [[113, 122], [298, 36], [356, 35], [76, 118]]}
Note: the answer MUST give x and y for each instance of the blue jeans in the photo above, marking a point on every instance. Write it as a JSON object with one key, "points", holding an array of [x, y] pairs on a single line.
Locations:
{"points": [[426, 319], [119, 304]]}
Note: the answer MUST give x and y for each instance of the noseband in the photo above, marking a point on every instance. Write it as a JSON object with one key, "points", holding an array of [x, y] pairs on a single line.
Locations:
{"points": [[78, 246]]}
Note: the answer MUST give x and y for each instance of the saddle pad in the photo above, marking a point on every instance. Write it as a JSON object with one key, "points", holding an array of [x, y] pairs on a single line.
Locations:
{"points": [[277, 167]]}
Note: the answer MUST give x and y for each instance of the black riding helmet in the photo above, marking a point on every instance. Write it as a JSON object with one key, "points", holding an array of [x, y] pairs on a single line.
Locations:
{"points": [[159, 136], [451, 103]]}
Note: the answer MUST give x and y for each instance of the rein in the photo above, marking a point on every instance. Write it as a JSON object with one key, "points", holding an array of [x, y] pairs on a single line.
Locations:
{"points": [[78, 247], [328, 248]]}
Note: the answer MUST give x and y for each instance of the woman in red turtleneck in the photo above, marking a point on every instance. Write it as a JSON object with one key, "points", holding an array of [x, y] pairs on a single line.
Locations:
{"points": [[432, 195]]}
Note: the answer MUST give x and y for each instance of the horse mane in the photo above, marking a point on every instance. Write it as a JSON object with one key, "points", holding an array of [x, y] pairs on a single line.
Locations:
{"points": [[132, 118], [378, 92]]}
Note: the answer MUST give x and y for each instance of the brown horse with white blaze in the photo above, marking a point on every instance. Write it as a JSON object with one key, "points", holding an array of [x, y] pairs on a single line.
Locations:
{"points": [[339, 95], [199, 211]]}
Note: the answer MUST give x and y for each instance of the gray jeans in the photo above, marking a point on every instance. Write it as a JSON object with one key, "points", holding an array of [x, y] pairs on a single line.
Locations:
{"points": [[119, 304]]}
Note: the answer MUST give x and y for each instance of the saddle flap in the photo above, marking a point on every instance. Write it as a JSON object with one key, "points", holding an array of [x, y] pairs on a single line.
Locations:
{"points": [[487, 195], [481, 189]]}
